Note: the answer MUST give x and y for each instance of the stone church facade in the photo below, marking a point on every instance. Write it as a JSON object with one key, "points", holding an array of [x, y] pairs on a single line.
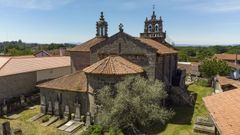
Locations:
{"points": [[107, 60]]}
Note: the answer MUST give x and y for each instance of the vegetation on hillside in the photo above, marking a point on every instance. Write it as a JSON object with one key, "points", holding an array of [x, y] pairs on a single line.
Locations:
{"points": [[197, 53]]}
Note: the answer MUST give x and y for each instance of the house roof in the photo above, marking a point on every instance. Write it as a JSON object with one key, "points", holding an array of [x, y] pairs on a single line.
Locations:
{"points": [[225, 56], [42, 51], [74, 82], [17, 65], [224, 108], [223, 80], [85, 47], [113, 65], [161, 48], [191, 68]]}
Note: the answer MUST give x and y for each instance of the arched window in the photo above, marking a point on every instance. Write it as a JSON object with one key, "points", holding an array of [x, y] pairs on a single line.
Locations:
{"points": [[156, 28], [149, 28]]}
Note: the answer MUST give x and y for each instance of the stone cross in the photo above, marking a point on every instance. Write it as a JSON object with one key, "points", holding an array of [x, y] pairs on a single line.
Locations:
{"points": [[78, 112], [88, 119], [121, 27], [5, 128]]}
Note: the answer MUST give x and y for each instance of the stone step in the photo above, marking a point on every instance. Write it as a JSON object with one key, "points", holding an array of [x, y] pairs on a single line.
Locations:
{"points": [[51, 120], [65, 126], [36, 117], [74, 126], [204, 129]]}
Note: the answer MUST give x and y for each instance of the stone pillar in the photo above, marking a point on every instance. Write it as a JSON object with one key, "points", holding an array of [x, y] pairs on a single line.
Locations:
{"points": [[50, 108], [78, 112], [66, 113], [5, 128], [88, 119], [56, 108], [43, 108]]}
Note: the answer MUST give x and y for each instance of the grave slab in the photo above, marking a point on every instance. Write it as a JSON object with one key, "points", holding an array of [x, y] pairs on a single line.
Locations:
{"points": [[65, 126], [51, 120], [74, 126], [59, 123], [36, 117]]}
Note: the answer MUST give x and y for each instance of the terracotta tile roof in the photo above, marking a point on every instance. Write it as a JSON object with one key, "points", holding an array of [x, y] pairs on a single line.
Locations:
{"points": [[223, 80], [113, 65], [161, 49], [16, 65], [191, 68], [85, 47], [233, 65], [225, 56], [224, 108], [74, 82]]}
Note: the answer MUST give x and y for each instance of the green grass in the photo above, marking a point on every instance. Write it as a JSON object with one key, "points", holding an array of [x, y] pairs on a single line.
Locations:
{"points": [[31, 128], [182, 123]]}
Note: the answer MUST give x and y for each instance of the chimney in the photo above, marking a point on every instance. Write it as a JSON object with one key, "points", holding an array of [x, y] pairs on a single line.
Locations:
{"points": [[61, 51]]}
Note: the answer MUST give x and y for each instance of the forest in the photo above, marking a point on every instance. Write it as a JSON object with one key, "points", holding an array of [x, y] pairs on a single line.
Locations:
{"points": [[18, 48]]}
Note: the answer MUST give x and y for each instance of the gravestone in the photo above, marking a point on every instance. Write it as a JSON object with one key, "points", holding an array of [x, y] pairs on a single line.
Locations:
{"points": [[56, 108], [50, 108], [22, 100], [66, 113], [5, 109], [88, 119], [5, 128], [78, 112]]}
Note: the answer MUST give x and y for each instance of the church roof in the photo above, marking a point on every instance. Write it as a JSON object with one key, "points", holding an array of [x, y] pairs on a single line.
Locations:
{"points": [[85, 47], [161, 49], [113, 65], [74, 82]]}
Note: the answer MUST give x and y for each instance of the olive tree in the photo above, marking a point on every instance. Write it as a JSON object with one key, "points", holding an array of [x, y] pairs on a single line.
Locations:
{"points": [[132, 103]]}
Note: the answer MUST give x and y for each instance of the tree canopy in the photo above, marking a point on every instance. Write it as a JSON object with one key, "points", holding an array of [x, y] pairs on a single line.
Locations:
{"points": [[212, 67], [133, 102]]}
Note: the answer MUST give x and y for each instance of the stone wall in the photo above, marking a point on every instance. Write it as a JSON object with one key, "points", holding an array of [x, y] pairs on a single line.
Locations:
{"points": [[79, 60], [63, 99], [48, 74], [128, 48], [16, 85]]}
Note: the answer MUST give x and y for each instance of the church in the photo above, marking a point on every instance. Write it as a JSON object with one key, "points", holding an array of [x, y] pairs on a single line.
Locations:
{"points": [[106, 60]]}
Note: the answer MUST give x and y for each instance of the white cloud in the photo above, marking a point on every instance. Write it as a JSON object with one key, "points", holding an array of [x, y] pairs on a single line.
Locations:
{"points": [[34, 4], [213, 6]]}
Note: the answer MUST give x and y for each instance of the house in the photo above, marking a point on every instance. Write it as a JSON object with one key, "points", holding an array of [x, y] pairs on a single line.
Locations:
{"points": [[54, 52], [19, 75], [232, 58], [105, 60], [224, 110]]}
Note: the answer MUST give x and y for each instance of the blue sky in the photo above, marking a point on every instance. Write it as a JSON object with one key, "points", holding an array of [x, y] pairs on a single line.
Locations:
{"points": [[186, 21]]}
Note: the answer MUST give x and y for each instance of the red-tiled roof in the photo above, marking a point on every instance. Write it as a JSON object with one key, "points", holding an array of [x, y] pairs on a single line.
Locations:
{"points": [[223, 80], [74, 82], [113, 65], [85, 47], [225, 56], [16, 65], [224, 108], [161, 49]]}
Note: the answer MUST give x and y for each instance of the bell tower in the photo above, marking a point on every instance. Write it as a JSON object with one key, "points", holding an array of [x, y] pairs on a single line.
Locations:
{"points": [[153, 28], [102, 27]]}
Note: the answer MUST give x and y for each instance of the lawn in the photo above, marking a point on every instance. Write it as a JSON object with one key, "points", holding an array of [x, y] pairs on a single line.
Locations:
{"points": [[182, 123], [31, 128]]}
